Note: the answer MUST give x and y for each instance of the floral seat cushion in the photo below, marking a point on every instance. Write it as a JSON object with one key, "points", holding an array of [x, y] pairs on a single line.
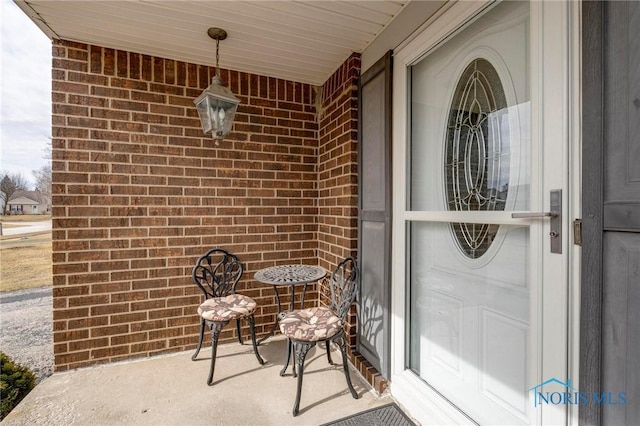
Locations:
{"points": [[310, 325], [227, 308]]}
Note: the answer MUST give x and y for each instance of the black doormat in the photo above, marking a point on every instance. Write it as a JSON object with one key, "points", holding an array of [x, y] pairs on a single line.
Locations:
{"points": [[386, 415]]}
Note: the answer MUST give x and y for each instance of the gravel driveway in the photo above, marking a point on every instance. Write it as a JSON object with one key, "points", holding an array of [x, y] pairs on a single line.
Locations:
{"points": [[26, 329]]}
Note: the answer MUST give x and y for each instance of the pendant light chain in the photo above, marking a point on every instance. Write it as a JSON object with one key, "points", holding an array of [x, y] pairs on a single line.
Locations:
{"points": [[217, 57]]}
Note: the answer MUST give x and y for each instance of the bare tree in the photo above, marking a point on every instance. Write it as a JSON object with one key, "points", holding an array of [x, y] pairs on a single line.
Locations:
{"points": [[48, 150], [43, 182], [11, 182]]}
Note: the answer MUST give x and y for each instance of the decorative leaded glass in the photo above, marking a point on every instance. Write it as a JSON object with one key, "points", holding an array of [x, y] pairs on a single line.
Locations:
{"points": [[477, 154]]}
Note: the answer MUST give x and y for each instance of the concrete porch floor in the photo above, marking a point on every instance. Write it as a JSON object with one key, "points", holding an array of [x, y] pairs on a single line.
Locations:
{"points": [[172, 390]]}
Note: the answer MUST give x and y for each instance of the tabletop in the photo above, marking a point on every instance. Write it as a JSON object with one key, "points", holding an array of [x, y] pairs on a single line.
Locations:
{"points": [[290, 274]]}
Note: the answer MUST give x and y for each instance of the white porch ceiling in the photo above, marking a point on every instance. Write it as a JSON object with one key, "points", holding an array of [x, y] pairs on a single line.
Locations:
{"points": [[303, 41]]}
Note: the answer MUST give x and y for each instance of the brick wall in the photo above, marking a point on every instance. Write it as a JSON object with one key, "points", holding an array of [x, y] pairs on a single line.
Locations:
{"points": [[338, 165], [140, 193], [338, 171]]}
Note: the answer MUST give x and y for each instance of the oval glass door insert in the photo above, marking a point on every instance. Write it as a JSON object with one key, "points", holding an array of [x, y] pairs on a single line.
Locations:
{"points": [[477, 154]]}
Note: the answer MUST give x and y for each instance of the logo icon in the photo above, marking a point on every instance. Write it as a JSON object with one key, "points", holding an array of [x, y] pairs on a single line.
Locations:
{"points": [[568, 395]]}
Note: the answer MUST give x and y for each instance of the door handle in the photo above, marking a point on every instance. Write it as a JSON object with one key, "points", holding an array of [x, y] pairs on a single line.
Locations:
{"points": [[555, 224], [537, 215]]}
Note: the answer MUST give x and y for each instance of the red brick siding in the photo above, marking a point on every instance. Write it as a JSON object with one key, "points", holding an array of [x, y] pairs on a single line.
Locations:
{"points": [[338, 166], [140, 193]]}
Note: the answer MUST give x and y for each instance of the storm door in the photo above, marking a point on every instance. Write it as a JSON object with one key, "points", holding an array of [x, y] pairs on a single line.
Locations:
{"points": [[483, 261]]}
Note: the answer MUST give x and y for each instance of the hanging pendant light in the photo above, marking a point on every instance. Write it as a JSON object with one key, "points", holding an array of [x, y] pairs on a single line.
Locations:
{"points": [[217, 105]]}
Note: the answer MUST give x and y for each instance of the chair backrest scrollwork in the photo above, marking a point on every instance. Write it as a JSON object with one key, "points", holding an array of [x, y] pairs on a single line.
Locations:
{"points": [[344, 284], [217, 273]]}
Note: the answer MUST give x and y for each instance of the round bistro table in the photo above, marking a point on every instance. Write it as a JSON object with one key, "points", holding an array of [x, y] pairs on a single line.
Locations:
{"points": [[288, 276]]}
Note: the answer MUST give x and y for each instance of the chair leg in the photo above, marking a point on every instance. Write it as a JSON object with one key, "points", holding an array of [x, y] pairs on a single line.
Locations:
{"points": [[293, 361], [195, 355], [328, 345], [252, 328], [239, 332], [340, 341], [301, 349], [216, 328], [286, 363]]}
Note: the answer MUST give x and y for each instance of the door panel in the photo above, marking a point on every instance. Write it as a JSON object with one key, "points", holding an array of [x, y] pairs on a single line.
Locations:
{"points": [[469, 332], [622, 118], [620, 321], [622, 98], [373, 153]]}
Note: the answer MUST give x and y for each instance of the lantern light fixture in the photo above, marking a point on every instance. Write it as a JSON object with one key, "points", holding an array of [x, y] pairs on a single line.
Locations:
{"points": [[217, 105]]}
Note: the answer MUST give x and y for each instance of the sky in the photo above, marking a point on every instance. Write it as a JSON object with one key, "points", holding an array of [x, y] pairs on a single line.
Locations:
{"points": [[25, 92]]}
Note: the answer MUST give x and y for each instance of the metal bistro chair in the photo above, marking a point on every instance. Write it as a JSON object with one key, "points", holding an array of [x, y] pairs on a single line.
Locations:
{"points": [[306, 327], [217, 273]]}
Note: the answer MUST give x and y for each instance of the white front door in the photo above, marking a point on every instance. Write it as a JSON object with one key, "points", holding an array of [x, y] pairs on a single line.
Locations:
{"points": [[480, 301]]}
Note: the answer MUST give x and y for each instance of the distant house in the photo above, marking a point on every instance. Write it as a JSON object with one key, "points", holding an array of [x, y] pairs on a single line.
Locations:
{"points": [[28, 202]]}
